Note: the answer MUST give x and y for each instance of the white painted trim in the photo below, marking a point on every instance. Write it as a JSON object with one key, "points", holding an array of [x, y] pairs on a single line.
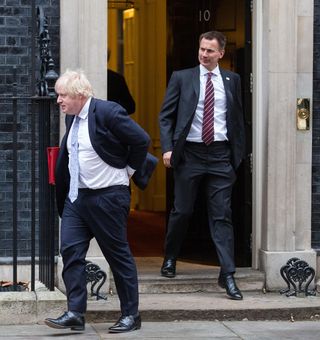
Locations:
{"points": [[257, 128]]}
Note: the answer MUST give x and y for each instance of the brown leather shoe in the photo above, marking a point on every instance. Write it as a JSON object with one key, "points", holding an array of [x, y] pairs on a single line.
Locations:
{"points": [[227, 281], [168, 268]]}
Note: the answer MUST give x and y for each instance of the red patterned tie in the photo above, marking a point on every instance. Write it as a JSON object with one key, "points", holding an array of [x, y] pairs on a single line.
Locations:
{"points": [[207, 124]]}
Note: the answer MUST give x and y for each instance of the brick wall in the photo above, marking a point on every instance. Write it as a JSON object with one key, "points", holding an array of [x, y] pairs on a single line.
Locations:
{"points": [[316, 131], [15, 50]]}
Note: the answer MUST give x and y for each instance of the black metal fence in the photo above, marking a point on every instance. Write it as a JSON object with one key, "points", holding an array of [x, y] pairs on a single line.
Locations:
{"points": [[33, 217], [30, 125]]}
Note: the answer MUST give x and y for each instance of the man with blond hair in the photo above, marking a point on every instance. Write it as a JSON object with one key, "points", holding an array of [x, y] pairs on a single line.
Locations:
{"points": [[101, 150]]}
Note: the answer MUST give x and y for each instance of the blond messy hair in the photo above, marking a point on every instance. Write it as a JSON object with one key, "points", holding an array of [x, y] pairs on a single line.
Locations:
{"points": [[74, 83]]}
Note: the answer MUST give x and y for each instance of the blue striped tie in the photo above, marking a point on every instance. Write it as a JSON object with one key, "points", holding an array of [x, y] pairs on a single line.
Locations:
{"points": [[74, 162]]}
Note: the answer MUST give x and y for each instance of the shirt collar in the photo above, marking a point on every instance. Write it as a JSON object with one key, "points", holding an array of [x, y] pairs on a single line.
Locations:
{"points": [[204, 71], [85, 109]]}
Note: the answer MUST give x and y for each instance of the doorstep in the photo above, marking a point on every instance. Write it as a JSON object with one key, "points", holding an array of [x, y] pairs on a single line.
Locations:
{"points": [[211, 306], [194, 294], [28, 307]]}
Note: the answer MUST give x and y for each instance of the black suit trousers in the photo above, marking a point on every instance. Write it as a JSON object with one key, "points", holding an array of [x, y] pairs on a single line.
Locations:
{"points": [[102, 214], [208, 165]]}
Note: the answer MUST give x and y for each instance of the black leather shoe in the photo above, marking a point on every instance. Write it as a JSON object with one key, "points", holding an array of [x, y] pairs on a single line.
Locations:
{"points": [[72, 320], [227, 281], [126, 324], [168, 268]]}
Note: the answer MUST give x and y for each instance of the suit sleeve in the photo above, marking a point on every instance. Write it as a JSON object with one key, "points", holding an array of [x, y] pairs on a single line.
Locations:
{"points": [[130, 134], [168, 113]]}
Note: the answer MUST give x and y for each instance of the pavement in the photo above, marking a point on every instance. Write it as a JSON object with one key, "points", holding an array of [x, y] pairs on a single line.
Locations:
{"points": [[187, 330]]}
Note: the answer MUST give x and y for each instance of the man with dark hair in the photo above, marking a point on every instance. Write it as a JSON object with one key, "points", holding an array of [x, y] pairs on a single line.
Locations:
{"points": [[118, 90], [202, 139]]}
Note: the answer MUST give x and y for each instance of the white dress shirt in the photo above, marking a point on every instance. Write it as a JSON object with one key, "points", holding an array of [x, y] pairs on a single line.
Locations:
{"points": [[220, 108], [94, 173]]}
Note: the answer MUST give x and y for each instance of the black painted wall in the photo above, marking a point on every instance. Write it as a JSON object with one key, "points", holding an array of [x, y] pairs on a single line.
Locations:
{"points": [[16, 51]]}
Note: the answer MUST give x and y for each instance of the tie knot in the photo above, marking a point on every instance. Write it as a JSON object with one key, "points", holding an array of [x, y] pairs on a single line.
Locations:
{"points": [[209, 74]]}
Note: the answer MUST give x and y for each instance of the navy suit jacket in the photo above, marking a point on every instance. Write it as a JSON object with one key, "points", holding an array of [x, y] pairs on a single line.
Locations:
{"points": [[116, 138], [179, 107]]}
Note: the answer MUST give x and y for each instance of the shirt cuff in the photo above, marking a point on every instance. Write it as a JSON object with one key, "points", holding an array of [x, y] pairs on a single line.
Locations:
{"points": [[130, 171]]}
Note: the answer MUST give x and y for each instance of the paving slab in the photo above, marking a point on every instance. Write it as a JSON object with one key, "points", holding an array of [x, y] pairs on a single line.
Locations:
{"points": [[172, 330], [309, 330], [187, 330], [43, 332]]}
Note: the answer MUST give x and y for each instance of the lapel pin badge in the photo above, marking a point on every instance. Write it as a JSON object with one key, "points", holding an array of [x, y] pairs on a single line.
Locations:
{"points": [[227, 78]]}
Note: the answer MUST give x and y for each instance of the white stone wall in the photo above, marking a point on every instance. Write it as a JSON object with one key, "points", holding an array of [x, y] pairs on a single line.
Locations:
{"points": [[84, 42], [283, 72]]}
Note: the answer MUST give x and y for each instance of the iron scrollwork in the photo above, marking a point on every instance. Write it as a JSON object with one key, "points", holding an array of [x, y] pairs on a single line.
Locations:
{"points": [[48, 75], [295, 273], [94, 275]]}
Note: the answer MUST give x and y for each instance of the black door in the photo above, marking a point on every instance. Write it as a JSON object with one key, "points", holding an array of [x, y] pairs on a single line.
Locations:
{"points": [[186, 20]]}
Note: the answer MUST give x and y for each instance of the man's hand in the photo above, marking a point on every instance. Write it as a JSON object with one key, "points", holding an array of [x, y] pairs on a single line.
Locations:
{"points": [[166, 159]]}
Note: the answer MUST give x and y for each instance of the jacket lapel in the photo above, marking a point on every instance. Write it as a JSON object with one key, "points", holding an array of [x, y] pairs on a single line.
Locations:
{"points": [[69, 120], [92, 119], [196, 80]]}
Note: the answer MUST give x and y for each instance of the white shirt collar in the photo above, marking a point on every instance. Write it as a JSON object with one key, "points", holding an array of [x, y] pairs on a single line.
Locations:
{"points": [[85, 109], [204, 71]]}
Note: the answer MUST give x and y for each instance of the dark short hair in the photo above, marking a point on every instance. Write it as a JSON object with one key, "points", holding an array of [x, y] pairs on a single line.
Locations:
{"points": [[221, 38]]}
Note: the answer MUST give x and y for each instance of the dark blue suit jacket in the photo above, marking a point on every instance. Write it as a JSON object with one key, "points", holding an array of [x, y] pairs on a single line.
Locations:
{"points": [[116, 138]]}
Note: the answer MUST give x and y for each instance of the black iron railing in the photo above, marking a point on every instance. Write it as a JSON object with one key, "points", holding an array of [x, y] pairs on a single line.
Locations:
{"points": [[34, 126], [33, 217], [32, 196], [46, 99]]}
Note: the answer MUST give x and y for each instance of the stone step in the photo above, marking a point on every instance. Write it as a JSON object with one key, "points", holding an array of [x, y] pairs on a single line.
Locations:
{"points": [[194, 295], [190, 278], [210, 306], [199, 281]]}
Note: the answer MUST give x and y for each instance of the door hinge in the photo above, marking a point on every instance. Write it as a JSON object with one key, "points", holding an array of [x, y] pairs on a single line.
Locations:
{"points": [[251, 82]]}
